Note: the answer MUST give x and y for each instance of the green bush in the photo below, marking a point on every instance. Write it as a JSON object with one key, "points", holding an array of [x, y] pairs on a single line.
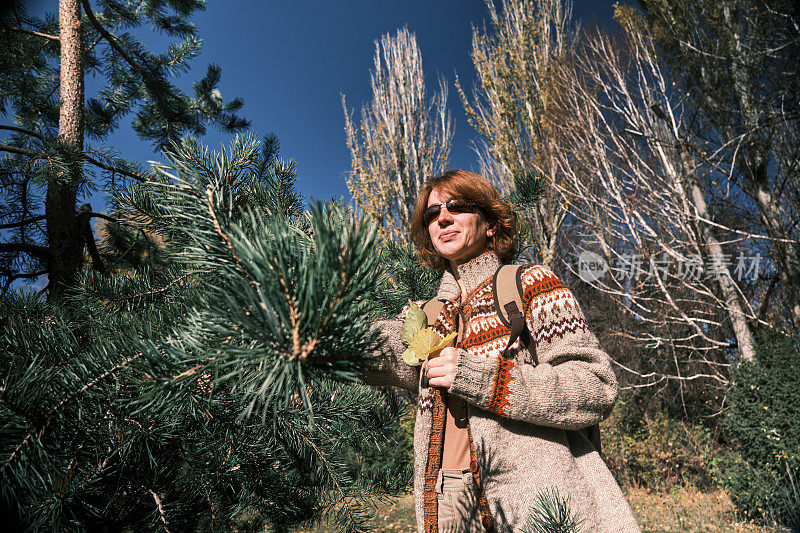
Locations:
{"points": [[763, 477], [655, 451]]}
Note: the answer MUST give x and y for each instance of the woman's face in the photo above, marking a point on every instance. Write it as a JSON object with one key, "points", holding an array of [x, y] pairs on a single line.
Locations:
{"points": [[457, 237]]}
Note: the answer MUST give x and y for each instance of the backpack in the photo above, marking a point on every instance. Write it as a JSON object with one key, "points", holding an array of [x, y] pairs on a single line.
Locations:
{"points": [[507, 291]]}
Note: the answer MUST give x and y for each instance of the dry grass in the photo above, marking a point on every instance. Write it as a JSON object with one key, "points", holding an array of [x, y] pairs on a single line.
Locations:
{"points": [[688, 509], [683, 509]]}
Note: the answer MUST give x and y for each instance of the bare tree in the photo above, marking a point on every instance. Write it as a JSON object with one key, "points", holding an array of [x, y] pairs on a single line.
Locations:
{"points": [[514, 60], [402, 138], [739, 63], [637, 180]]}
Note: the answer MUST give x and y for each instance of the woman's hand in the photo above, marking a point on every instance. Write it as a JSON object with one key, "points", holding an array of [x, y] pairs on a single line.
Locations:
{"points": [[441, 370]]}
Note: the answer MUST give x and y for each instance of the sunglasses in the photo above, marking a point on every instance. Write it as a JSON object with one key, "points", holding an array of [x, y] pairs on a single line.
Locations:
{"points": [[454, 206]]}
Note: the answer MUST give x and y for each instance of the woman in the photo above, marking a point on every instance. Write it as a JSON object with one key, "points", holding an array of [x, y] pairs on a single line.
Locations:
{"points": [[492, 432]]}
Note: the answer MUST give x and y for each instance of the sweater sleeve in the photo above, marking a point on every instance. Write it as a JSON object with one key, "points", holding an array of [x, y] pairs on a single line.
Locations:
{"points": [[571, 387], [386, 366]]}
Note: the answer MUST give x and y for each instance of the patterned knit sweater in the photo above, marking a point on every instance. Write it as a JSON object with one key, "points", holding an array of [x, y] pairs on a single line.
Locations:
{"points": [[522, 410]]}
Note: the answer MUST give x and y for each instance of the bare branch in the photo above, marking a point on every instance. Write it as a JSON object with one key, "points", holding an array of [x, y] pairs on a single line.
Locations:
{"points": [[84, 225], [92, 214], [641, 196], [403, 136], [662, 377], [26, 275], [513, 59]]}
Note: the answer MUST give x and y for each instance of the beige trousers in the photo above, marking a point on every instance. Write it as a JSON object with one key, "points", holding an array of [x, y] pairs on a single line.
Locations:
{"points": [[459, 510]]}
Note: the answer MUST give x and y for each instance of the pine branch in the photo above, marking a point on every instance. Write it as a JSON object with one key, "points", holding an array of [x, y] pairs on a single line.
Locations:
{"points": [[87, 157], [266, 310], [42, 155], [112, 40], [21, 130], [160, 509], [127, 173], [24, 247], [36, 33], [156, 291], [22, 222], [60, 404], [319, 454], [218, 227], [552, 514], [23, 151], [298, 351]]}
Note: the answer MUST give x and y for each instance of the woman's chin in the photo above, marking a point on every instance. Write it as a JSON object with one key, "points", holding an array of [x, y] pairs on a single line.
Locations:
{"points": [[447, 249]]}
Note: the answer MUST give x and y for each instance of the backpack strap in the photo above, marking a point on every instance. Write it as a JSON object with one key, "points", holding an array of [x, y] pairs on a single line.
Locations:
{"points": [[507, 289]]}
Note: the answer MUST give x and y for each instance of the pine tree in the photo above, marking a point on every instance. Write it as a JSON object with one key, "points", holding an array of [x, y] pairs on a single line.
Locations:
{"points": [[552, 514], [206, 381], [43, 63]]}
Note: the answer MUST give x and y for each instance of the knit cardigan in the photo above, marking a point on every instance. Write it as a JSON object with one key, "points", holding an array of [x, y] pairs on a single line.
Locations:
{"points": [[522, 410]]}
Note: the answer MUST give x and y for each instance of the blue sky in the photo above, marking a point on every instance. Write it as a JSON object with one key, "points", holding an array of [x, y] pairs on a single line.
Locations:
{"points": [[291, 61]]}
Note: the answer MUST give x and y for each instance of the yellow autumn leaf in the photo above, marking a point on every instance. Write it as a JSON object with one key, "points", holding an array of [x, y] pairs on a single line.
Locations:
{"points": [[426, 343], [423, 341], [434, 352], [411, 358]]}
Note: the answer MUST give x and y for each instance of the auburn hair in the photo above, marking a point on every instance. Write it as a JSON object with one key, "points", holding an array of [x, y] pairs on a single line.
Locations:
{"points": [[477, 189]]}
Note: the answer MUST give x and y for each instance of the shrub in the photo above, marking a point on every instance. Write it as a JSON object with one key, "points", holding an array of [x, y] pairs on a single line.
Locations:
{"points": [[655, 451], [763, 478]]}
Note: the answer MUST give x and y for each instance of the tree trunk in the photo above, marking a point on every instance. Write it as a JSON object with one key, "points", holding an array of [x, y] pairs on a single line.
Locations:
{"points": [[741, 330], [784, 252], [63, 233]]}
